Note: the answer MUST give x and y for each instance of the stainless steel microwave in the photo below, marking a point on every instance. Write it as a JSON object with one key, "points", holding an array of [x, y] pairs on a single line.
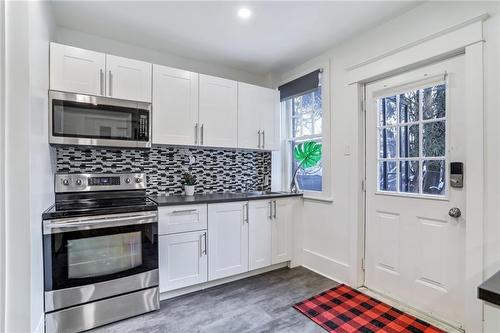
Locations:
{"points": [[76, 119]]}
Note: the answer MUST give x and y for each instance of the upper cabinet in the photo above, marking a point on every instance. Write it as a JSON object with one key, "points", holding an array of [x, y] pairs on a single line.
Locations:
{"points": [[175, 106], [218, 111], [82, 71], [77, 70], [128, 78], [258, 127]]}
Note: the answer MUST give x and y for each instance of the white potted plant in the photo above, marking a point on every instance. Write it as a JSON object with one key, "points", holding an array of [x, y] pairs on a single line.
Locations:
{"points": [[189, 181]]}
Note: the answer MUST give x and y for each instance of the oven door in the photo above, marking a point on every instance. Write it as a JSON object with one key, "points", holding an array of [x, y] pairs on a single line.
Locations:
{"points": [[99, 251], [98, 121]]}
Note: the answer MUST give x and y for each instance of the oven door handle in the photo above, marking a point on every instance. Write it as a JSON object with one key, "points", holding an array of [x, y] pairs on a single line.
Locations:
{"points": [[66, 225]]}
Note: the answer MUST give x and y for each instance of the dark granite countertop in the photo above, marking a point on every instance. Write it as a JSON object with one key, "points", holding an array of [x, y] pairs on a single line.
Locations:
{"points": [[489, 290], [173, 200]]}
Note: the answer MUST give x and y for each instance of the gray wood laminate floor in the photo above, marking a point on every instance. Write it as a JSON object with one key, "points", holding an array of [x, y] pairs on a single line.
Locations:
{"points": [[260, 303]]}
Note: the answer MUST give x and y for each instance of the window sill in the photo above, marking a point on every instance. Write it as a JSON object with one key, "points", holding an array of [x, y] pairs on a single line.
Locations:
{"points": [[317, 198]]}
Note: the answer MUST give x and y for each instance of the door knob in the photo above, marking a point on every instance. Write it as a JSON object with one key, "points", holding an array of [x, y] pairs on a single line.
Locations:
{"points": [[455, 212]]}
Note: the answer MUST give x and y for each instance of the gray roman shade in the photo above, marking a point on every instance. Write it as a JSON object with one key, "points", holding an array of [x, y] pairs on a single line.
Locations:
{"points": [[301, 85]]}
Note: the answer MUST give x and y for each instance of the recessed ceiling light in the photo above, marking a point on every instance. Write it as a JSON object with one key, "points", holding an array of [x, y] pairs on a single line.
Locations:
{"points": [[244, 13]]}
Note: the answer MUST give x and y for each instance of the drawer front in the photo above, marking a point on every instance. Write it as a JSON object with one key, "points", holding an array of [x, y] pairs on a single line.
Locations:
{"points": [[183, 218]]}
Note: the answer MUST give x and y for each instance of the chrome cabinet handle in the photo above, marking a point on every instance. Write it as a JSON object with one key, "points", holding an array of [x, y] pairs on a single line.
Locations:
{"points": [[270, 210], [258, 133], [245, 213], [109, 83], [274, 216], [196, 134], [101, 80], [184, 211], [455, 212], [205, 237], [263, 139], [202, 133]]}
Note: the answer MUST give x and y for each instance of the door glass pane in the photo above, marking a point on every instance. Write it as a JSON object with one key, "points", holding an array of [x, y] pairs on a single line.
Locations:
{"points": [[387, 142], [434, 139], [103, 255], [408, 144], [387, 176], [409, 180], [387, 111], [434, 102], [433, 177], [408, 106]]}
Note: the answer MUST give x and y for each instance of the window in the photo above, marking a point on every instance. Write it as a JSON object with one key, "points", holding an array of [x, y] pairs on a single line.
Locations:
{"points": [[412, 141], [303, 108]]}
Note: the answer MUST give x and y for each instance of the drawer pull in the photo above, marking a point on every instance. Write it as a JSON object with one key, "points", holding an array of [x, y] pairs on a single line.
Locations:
{"points": [[180, 211]]}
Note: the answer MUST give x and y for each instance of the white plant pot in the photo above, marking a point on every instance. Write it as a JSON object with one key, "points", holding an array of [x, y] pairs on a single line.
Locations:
{"points": [[189, 189]]}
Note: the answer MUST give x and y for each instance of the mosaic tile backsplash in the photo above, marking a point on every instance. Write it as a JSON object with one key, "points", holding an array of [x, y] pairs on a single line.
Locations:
{"points": [[216, 170]]}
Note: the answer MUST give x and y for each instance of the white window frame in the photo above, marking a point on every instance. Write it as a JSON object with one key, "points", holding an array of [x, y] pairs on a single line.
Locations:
{"points": [[286, 146], [426, 83]]}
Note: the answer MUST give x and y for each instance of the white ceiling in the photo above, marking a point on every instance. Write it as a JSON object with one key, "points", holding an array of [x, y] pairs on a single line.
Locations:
{"points": [[279, 35]]}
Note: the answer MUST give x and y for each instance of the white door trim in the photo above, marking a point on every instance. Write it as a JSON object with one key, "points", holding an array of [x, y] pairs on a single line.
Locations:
{"points": [[467, 39]]}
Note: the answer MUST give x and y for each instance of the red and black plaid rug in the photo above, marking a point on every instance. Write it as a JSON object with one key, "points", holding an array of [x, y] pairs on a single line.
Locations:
{"points": [[346, 310]]}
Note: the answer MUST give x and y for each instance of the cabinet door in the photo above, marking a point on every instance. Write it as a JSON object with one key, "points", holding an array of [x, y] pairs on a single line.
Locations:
{"points": [[183, 260], [175, 106], [282, 230], [227, 239], [128, 79], [259, 235], [269, 119], [175, 219], [76, 70], [250, 106], [218, 112]]}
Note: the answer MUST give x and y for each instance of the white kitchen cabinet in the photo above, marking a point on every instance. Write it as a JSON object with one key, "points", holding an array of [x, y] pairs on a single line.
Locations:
{"points": [[176, 219], [175, 106], [218, 111], [128, 78], [258, 126], [227, 239], [259, 235], [182, 260], [77, 70], [282, 230]]}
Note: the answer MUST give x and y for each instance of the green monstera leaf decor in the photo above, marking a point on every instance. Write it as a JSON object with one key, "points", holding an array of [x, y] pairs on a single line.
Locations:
{"points": [[307, 154]]}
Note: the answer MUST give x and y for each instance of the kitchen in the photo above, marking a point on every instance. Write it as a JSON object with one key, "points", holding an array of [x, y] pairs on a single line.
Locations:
{"points": [[159, 163]]}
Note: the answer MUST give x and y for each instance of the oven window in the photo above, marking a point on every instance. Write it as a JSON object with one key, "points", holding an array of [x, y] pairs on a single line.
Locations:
{"points": [[97, 256], [82, 120]]}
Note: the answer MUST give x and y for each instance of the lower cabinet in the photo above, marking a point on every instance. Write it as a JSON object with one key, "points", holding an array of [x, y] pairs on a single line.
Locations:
{"points": [[182, 259], [227, 239], [259, 236], [282, 230]]}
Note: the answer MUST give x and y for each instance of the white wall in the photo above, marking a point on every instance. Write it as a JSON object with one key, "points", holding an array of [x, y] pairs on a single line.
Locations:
{"points": [[28, 178], [330, 241], [105, 45]]}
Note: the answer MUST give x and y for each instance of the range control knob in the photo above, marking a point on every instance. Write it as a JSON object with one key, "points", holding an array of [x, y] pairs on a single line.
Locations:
{"points": [[127, 180], [138, 180], [65, 182], [78, 182]]}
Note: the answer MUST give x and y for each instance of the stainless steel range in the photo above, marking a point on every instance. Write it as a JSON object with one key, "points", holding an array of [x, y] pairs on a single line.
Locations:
{"points": [[100, 248]]}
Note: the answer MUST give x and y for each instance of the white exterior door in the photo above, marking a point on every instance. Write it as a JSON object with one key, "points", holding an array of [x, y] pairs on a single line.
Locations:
{"points": [[282, 230], [182, 260], [414, 248], [227, 239], [260, 228], [175, 106], [128, 79], [218, 112], [76, 70]]}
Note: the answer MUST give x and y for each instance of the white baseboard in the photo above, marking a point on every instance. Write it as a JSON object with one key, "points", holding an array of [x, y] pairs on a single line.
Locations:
{"points": [[209, 284], [323, 265]]}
